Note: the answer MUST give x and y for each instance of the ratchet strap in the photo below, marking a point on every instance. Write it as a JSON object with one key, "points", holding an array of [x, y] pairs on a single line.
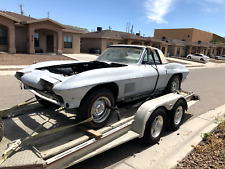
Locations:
{"points": [[16, 143]]}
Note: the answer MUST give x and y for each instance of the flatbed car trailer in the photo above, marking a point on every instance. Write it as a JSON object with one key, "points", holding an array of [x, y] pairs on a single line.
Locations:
{"points": [[52, 140]]}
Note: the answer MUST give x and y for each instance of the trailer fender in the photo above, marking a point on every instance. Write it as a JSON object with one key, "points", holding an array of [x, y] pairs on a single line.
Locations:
{"points": [[146, 109]]}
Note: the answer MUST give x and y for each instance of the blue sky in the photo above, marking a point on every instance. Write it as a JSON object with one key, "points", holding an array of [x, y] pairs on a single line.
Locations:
{"points": [[144, 15]]}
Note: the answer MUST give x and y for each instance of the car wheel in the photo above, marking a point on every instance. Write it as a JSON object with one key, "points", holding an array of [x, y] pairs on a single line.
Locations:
{"points": [[95, 104], [202, 60], [155, 126], [216, 58], [189, 57], [173, 84], [45, 103], [1, 129], [176, 115]]}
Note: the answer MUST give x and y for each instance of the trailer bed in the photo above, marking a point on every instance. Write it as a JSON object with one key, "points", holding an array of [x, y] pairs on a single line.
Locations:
{"points": [[63, 148]]}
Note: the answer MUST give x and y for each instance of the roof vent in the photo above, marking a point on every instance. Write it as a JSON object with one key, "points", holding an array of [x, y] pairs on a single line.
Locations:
{"points": [[99, 29]]}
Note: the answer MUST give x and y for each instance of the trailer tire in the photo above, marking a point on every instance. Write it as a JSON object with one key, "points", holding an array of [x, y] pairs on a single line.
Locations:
{"points": [[1, 129], [95, 104], [173, 84], [176, 115], [155, 126]]}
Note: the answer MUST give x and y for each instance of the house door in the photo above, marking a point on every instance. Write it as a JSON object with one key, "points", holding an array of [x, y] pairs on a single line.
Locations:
{"points": [[50, 43]]}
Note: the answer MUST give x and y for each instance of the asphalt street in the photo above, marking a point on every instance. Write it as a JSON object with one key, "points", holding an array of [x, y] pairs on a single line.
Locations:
{"points": [[208, 83]]}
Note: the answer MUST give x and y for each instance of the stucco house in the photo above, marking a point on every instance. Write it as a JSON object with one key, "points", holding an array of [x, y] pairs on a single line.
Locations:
{"points": [[97, 42], [24, 34]]}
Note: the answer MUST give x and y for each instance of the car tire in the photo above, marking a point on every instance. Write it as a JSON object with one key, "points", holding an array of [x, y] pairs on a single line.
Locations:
{"points": [[176, 115], [202, 60], [155, 127], [45, 103], [216, 58], [173, 84], [1, 129], [189, 57], [95, 104]]}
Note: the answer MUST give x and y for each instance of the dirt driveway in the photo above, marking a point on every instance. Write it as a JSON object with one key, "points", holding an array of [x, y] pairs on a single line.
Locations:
{"points": [[27, 59]]}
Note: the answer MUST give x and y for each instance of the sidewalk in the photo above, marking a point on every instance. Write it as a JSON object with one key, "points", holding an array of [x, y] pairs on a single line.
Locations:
{"points": [[174, 146]]}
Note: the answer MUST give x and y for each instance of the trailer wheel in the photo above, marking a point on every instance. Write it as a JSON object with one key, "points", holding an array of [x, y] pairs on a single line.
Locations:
{"points": [[1, 129], [95, 104], [173, 84], [155, 126], [176, 115]]}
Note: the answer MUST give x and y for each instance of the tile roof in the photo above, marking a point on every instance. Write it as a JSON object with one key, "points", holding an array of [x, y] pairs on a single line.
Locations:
{"points": [[111, 34], [27, 19], [21, 18], [77, 29]]}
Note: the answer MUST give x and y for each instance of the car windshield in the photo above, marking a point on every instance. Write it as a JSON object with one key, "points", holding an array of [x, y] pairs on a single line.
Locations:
{"points": [[127, 55]]}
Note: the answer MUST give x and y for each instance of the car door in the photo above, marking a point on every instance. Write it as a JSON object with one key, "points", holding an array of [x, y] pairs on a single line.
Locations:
{"points": [[195, 57], [149, 72]]}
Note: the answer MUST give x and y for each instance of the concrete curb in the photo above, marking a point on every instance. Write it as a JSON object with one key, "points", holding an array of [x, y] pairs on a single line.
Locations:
{"points": [[175, 146]]}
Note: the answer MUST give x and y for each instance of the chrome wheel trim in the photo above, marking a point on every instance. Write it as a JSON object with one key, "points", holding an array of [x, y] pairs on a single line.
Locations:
{"points": [[178, 115], [157, 126], [175, 85], [99, 110]]}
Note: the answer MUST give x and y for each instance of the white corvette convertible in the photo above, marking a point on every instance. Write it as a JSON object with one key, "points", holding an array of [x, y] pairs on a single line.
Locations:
{"points": [[121, 73]]}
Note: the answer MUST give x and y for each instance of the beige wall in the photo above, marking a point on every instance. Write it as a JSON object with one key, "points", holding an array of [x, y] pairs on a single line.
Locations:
{"points": [[171, 50], [203, 36], [113, 41], [174, 34], [21, 39], [43, 40], [192, 35], [75, 43], [51, 29], [88, 43]]}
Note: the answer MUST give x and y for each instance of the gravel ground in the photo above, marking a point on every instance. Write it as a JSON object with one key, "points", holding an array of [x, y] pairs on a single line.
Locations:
{"points": [[210, 153], [27, 59]]}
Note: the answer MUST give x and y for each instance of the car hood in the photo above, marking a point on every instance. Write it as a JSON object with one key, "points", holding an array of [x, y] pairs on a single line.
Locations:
{"points": [[73, 74]]}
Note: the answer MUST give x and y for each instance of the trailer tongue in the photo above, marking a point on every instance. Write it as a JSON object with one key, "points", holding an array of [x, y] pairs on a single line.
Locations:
{"points": [[52, 140]]}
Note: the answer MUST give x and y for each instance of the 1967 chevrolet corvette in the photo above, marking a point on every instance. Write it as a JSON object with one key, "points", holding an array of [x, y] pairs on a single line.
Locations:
{"points": [[121, 73]]}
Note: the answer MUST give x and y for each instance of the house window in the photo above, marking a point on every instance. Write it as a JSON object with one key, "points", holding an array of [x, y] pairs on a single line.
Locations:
{"points": [[36, 39], [3, 37], [67, 41], [109, 44]]}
